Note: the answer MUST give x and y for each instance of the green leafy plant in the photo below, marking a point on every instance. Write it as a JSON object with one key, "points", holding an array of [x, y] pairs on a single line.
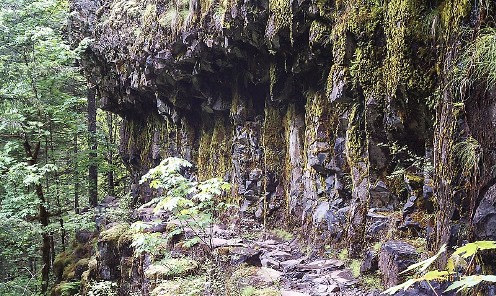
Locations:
{"points": [[461, 280], [104, 288], [193, 206], [468, 153], [71, 288]]}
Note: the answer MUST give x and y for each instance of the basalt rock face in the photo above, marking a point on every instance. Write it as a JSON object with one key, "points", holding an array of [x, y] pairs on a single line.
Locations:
{"points": [[315, 111]]}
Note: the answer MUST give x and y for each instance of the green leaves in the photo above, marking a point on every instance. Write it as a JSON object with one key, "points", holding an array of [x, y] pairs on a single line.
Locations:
{"points": [[467, 251], [429, 276], [36, 174], [470, 281], [471, 249], [194, 204], [426, 263]]}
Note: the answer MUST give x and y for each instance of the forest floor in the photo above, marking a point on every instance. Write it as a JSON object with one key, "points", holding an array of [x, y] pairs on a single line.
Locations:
{"points": [[268, 263]]}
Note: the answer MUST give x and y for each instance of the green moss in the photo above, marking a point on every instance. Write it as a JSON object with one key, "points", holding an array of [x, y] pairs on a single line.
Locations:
{"points": [[273, 139], [355, 267], [214, 152], [85, 280], [62, 260], [343, 255], [125, 239], [283, 13], [253, 291], [66, 289], [319, 33], [244, 271], [205, 6], [366, 70], [181, 287], [415, 180], [174, 17], [354, 136], [114, 233], [405, 24], [121, 12], [171, 267], [453, 12], [373, 281], [69, 272], [70, 269], [92, 264], [273, 78], [395, 68], [282, 234], [288, 125], [272, 142], [245, 278]]}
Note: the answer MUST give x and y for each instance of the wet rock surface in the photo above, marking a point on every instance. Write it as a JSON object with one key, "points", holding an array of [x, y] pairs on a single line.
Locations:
{"points": [[317, 112], [485, 215], [395, 257]]}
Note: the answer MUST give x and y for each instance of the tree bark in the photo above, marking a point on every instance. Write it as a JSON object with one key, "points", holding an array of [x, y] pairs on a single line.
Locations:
{"points": [[110, 157], [32, 158], [92, 142], [76, 175], [444, 176]]}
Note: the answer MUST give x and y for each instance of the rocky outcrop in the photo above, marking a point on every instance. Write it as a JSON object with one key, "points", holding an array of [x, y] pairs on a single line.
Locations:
{"points": [[316, 112]]}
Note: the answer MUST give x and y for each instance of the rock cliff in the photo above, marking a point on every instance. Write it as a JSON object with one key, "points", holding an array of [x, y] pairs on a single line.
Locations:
{"points": [[324, 115]]}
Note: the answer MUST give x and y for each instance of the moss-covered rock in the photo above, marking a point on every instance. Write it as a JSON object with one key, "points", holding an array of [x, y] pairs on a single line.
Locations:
{"points": [[304, 106], [113, 233], [181, 287], [171, 267]]}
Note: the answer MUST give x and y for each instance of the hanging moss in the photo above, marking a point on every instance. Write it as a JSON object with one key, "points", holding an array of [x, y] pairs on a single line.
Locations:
{"points": [[283, 13], [366, 70], [273, 139], [273, 78], [354, 136], [319, 33], [453, 12], [214, 152], [404, 28]]}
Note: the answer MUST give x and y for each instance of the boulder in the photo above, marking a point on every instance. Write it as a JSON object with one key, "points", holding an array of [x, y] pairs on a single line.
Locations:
{"points": [[370, 263], [246, 255], [485, 216], [394, 257]]}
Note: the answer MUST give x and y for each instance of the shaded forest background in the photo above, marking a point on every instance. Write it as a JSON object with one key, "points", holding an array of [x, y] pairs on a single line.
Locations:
{"points": [[58, 153]]}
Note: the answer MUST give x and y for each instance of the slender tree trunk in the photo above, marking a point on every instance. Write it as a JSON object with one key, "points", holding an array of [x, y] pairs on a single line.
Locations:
{"points": [[110, 158], [76, 175], [32, 158], [61, 220], [45, 249], [92, 141]]}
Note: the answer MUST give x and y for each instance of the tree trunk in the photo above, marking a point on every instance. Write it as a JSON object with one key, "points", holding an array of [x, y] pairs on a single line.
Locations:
{"points": [[45, 249], [110, 156], [76, 175], [92, 142], [32, 158], [444, 176]]}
